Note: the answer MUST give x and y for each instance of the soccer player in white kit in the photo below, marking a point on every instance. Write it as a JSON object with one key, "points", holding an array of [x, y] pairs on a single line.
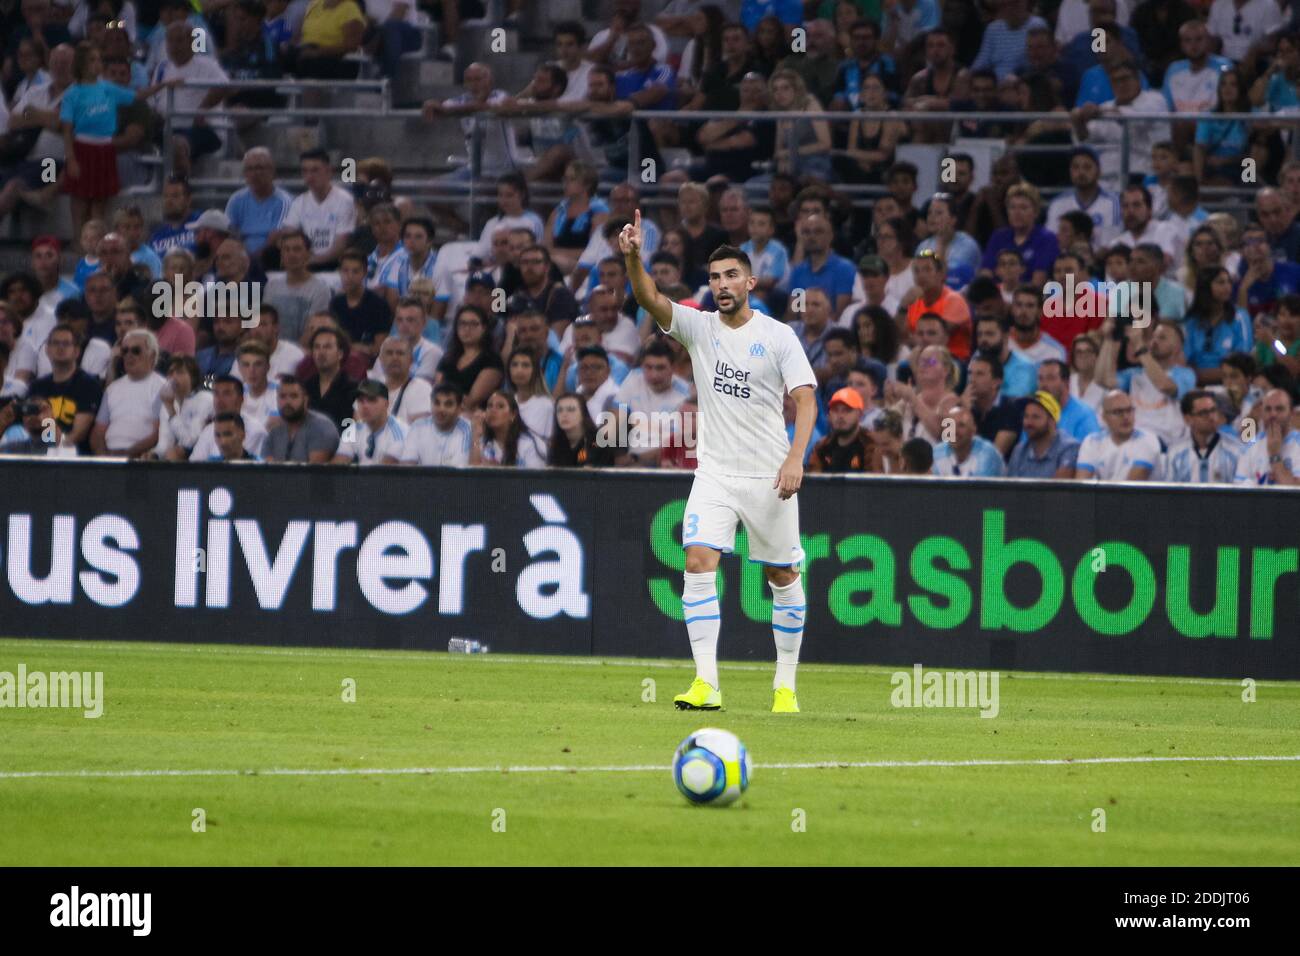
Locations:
{"points": [[744, 362]]}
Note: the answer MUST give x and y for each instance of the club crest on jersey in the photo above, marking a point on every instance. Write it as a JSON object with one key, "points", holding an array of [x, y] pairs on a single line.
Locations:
{"points": [[757, 350]]}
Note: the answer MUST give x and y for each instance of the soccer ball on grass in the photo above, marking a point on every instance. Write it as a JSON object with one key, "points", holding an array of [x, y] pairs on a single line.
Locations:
{"points": [[712, 766]]}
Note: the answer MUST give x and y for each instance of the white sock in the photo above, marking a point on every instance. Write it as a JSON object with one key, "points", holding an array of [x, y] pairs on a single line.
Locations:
{"points": [[788, 607], [703, 622]]}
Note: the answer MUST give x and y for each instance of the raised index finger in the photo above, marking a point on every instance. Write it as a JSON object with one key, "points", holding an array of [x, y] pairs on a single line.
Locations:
{"points": [[636, 218]]}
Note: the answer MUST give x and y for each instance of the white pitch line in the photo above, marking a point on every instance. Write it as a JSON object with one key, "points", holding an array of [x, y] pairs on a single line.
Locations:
{"points": [[631, 768], [324, 653]]}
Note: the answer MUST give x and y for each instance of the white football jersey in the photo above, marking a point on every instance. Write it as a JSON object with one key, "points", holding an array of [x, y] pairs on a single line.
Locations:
{"points": [[1107, 461], [741, 377]]}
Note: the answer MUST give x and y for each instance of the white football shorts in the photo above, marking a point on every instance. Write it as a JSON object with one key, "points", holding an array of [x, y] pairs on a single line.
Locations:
{"points": [[772, 525]]}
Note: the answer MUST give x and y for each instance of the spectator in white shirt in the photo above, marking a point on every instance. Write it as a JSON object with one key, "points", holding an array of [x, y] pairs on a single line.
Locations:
{"points": [[409, 326], [618, 333], [261, 394], [201, 137], [326, 212], [377, 437], [1121, 451], [445, 438], [595, 383], [1139, 226], [648, 397], [228, 396], [502, 438], [1243, 24], [1130, 99], [536, 406], [410, 396], [186, 408], [127, 424], [1274, 457], [285, 356]]}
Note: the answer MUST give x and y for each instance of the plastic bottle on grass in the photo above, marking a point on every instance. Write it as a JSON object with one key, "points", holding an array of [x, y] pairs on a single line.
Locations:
{"points": [[463, 645]]}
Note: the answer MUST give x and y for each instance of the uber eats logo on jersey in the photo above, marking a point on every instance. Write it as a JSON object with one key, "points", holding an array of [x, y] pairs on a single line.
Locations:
{"points": [[1017, 584], [730, 380]]}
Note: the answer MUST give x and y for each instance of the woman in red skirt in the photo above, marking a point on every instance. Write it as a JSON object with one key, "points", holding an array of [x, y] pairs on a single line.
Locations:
{"points": [[89, 117]]}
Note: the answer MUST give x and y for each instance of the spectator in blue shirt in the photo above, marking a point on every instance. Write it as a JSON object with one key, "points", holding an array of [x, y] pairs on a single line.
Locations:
{"points": [[1045, 451], [1220, 144], [258, 209], [960, 251], [1076, 419], [821, 267], [1003, 46], [1261, 279], [1036, 245], [1215, 327], [789, 12], [1079, 54]]}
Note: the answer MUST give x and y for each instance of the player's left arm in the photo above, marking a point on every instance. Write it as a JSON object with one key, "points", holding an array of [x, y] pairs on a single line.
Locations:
{"points": [[790, 477]]}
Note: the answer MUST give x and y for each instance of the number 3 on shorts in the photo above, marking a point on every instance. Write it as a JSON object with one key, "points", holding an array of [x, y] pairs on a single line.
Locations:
{"points": [[691, 528]]}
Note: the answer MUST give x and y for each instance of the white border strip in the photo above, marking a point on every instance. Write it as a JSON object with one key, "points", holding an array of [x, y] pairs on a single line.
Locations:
{"points": [[326, 653], [632, 768]]}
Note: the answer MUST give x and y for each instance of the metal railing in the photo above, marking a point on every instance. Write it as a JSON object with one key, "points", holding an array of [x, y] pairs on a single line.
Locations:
{"points": [[474, 193]]}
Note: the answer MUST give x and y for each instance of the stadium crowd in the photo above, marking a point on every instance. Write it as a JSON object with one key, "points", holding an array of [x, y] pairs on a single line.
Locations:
{"points": [[940, 344]]}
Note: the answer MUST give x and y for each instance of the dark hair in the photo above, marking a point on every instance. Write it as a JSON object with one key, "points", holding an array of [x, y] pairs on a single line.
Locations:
{"points": [[65, 327], [1080, 221], [559, 78], [341, 337], [990, 359], [1062, 369], [457, 348], [884, 341], [1243, 362], [517, 182], [1242, 105], [268, 309], [981, 289], [1003, 321], [228, 380], [424, 222], [448, 388], [560, 452], [668, 258], [70, 309], [571, 28], [1138, 188], [962, 158], [918, 456], [844, 336], [32, 284], [1190, 399], [904, 168], [191, 366], [514, 431], [1188, 186], [231, 417], [658, 348], [1203, 307], [317, 154], [353, 254], [731, 252], [902, 227], [287, 379], [605, 71], [295, 234]]}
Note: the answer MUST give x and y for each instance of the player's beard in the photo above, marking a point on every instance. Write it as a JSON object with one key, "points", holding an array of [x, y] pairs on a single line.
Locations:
{"points": [[737, 303]]}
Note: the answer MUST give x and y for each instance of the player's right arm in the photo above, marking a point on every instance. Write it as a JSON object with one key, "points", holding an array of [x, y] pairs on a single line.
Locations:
{"points": [[648, 297]]}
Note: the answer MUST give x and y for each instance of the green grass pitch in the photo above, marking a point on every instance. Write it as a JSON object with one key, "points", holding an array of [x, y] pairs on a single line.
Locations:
{"points": [[609, 798]]}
